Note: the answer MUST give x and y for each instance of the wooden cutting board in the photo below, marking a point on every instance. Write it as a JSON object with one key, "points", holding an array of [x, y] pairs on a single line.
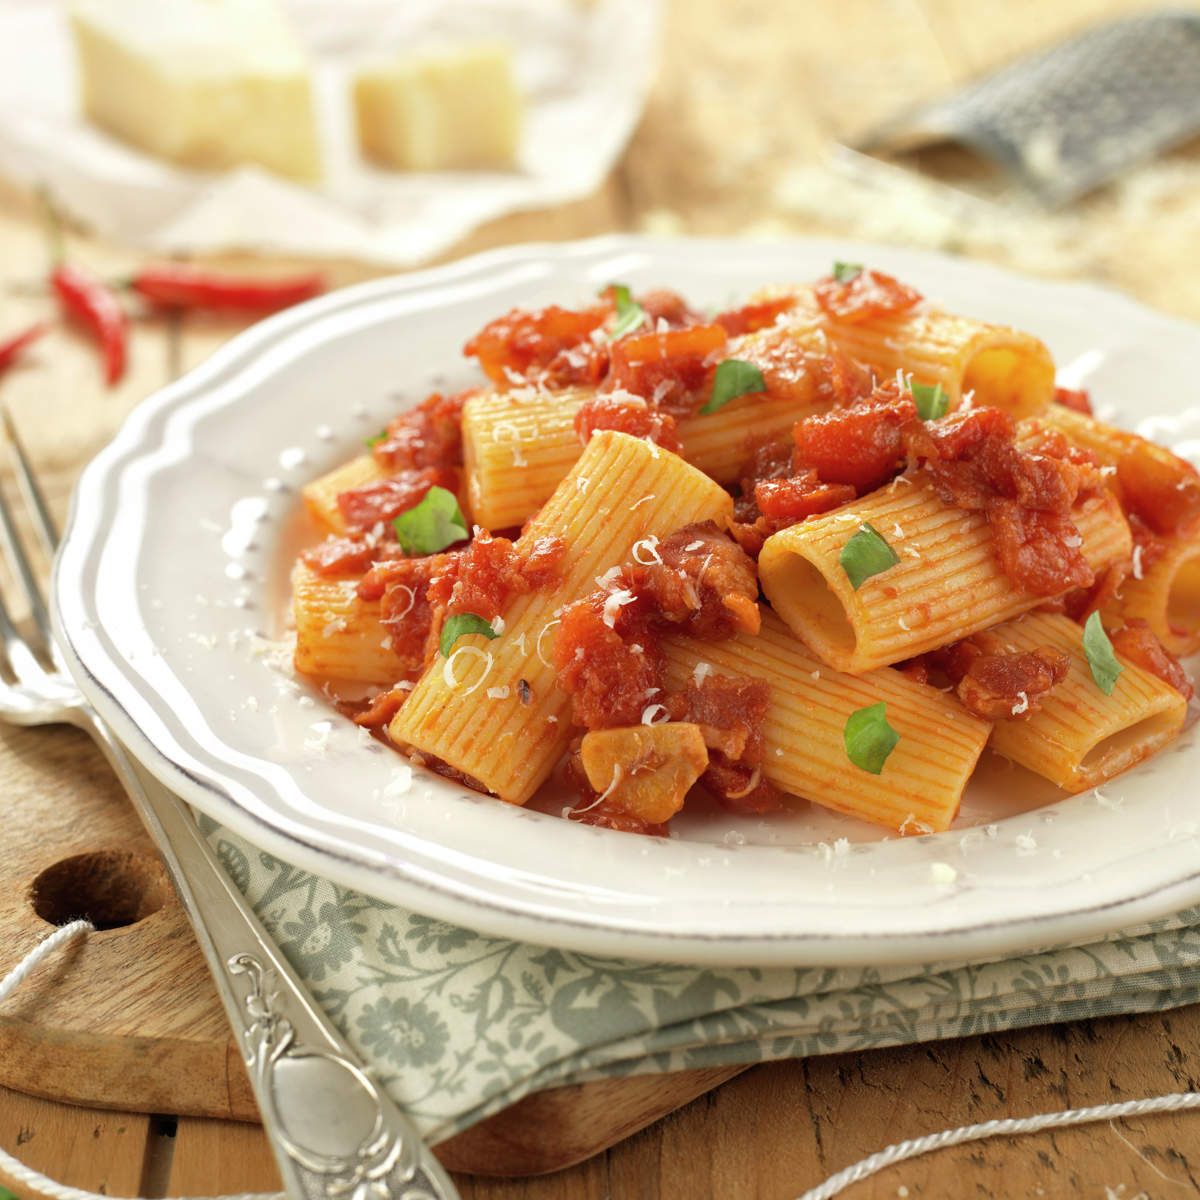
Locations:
{"points": [[129, 1019]]}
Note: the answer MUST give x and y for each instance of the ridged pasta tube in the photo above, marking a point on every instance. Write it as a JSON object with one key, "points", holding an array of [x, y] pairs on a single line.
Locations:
{"points": [[493, 709]]}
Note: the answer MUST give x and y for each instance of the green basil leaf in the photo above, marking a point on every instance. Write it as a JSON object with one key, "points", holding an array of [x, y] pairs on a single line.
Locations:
{"points": [[866, 554], [5, 1194], [432, 525], [1100, 656], [869, 738], [931, 402], [370, 442], [630, 314], [731, 379], [459, 625], [844, 272]]}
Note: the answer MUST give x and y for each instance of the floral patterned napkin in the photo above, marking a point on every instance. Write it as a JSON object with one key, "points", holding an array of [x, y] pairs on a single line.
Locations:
{"points": [[458, 1026]]}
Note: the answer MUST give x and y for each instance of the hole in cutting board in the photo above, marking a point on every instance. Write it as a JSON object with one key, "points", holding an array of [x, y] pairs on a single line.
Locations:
{"points": [[111, 888]]}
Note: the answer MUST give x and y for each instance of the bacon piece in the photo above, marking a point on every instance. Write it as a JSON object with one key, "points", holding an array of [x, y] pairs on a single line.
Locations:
{"points": [[627, 414], [661, 304], [996, 687], [729, 711], [751, 317], [491, 570], [606, 815], [1076, 399], [865, 297], [525, 342], [339, 556], [429, 435], [609, 671], [741, 789], [791, 500], [382, 709], [367, 505], [778, 499], [1136, 641], [412, 593], [862, 446], [793, 369], [670, 369], [1040, 551], [1027, 493], [705, 584], [1082, 602]]}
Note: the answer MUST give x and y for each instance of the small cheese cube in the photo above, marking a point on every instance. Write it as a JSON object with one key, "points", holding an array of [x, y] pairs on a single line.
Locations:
{"points": [[204, 83], [457, 109]]}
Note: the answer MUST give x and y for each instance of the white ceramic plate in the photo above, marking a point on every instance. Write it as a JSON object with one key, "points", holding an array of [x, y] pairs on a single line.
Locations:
{"points": [[173, 576]]}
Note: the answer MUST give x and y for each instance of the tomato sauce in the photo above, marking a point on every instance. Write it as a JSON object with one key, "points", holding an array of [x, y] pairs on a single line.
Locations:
{"points": [[671, 368], [1001, 686], [523, 344], [429, 435], [1136, 641], [491, 570], [627, 414], [866, 296], [367, 505]]}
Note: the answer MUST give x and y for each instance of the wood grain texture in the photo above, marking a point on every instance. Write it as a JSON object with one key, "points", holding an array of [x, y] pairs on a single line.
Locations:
{"points": [[746, 93], [103, 1152]]}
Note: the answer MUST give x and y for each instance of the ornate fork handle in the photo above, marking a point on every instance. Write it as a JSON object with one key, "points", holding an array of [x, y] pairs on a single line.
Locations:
{"points": [[335, 1133]]}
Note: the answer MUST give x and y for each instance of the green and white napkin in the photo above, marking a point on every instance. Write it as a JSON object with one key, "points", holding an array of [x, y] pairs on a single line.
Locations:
{"points": [[459, 1026]]}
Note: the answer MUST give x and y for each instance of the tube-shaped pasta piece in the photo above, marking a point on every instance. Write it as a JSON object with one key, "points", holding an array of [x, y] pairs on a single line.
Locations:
{"points": [[339, 636], [1164, 592], [1079, 737], [922, 781], [517, 448], [1108, 443], [320, 496], [517, 445], [947, 584], [993, 364], [493, 709], [1166, 595]]}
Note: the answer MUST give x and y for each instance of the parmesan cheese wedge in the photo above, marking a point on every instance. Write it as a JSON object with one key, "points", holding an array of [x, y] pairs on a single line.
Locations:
{"points": [[204, 83], [460, 108]]}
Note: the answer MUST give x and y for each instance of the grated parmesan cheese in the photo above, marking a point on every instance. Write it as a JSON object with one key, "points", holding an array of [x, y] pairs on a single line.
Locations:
{"points": [[650, 546], [615, 602]]}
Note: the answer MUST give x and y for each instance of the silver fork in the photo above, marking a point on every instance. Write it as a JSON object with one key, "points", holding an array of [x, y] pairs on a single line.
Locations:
{"points": [[334, 1132]]}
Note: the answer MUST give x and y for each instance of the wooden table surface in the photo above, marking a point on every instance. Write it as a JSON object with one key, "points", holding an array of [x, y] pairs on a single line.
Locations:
{"points": [[748, 97]]}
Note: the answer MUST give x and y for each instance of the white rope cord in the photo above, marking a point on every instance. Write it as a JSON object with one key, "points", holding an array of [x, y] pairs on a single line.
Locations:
{"points": [[13, 1167], [1010, 1127]]}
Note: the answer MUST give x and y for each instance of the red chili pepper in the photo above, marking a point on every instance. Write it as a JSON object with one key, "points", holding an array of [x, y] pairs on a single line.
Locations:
{"points": [[176, 285], [92, 302], [11, 349]]}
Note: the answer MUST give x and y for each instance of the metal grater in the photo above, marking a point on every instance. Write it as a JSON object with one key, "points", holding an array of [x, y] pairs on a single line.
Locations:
{"points": [[1071, 118]]}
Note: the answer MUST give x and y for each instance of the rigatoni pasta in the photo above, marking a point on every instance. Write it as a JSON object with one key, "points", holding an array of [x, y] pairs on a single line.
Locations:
{"points": [[922, 782], [1079, 737], [519, 443], [946, 583], [864, 462], [511, 737], [985, 363]]}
